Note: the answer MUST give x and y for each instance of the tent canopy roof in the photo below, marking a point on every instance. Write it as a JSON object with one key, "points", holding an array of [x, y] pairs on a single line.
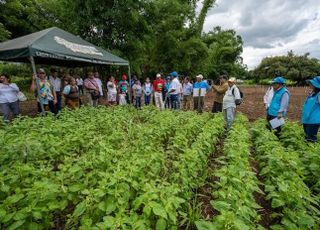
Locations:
{"points": [[55, 46]]}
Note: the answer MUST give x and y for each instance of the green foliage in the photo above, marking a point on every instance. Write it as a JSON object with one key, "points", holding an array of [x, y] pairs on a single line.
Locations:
{"points": [[124, 169], [292, 138], [297, 68], [155, 36], [233, 192], [284, 174]]}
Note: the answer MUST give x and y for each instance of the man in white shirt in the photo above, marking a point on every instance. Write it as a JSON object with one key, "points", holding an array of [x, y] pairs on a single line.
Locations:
{"points": [[174, 90], [268, 97], [55, 81], [229, 102], [80, 84], [9, 100], [99, 82]]}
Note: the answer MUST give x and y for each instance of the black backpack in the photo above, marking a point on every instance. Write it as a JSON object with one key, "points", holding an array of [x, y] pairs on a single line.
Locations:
{"points": [[238, 101]]}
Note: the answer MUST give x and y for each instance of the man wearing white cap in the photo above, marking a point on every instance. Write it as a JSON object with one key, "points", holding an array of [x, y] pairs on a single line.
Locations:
{"points": [[200, 89], [158, 86], [229, 102]]}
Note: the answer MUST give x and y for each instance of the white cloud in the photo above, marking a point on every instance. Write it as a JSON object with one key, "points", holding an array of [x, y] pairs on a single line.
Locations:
{"points": [[270, 28]]}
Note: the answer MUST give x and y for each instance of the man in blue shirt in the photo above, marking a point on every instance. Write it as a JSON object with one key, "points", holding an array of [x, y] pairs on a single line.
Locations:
{"points": [[187, 94], [200, 89], [280, 101]]}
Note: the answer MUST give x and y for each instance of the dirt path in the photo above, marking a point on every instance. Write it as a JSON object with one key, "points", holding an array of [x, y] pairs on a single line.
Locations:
{"points": [[205, 192]]}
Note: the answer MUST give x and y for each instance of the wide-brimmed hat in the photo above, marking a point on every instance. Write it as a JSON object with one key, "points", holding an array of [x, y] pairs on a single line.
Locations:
{"points": [[278, 80], [200, 76], [315, 82], [232, 79], [158, 75]]}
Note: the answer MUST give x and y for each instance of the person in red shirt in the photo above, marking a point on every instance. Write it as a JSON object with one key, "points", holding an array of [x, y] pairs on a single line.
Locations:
{"points": [[158, 86]]}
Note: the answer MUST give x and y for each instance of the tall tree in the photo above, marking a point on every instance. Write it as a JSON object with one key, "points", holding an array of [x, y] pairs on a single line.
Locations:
{"points": [[294, 67], [207, 4]]}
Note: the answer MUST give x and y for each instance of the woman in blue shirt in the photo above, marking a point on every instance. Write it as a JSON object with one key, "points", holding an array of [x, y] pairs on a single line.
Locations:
{"points": [[311, 111]]}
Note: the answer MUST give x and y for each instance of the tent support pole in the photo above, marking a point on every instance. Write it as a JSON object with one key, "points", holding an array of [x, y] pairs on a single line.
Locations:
{"points": [[38, 86], [129, 92]]}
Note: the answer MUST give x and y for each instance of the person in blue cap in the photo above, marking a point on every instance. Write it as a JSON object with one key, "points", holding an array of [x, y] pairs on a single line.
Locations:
{"points": [[280, 101], [311, 111], [174, 90]]}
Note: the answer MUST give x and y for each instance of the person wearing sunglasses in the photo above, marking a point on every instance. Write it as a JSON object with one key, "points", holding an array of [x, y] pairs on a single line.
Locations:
{"points": [[46, 93]]}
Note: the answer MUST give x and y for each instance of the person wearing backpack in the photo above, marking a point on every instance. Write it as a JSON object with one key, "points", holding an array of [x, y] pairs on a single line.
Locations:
{"points": [[231, 99], [311, 111]]}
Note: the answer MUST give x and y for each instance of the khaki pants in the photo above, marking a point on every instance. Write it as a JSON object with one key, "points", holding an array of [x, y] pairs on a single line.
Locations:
{"points": [[198, 104], [186, 102], [158, 100], [91, 102]]}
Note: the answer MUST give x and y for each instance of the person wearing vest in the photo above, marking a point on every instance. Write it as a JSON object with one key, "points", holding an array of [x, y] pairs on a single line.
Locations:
{"points": [[200, 88], [280, 101], [71, 94], [311, 111]]}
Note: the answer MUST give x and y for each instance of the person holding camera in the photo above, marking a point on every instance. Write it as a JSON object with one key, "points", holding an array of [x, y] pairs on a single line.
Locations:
{"points": [[220, 90]]}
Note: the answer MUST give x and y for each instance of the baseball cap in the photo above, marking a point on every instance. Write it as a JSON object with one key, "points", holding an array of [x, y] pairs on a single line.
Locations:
{"points": [[278, 80]]}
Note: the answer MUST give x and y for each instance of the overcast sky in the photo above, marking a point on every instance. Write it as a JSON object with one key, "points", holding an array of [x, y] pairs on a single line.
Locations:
{"points": [[270, 27]]}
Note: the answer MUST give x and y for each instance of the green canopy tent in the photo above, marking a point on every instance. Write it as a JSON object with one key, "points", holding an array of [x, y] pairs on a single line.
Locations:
{"points": [[55, 46]]}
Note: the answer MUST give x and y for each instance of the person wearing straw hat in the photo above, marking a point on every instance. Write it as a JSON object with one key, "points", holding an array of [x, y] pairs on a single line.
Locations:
{"points": [[200, 88], [278, 107], [229, 102], [311, 111]]}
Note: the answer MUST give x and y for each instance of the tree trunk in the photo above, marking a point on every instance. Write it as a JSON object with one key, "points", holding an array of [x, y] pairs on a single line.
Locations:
{"points": [[207, 4]]}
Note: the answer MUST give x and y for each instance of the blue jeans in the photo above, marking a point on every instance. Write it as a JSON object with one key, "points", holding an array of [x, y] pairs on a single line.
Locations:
{"points": [[311, 131], [147, 99], [7, 107], [137, 102], [174, 98], [59, 101]]}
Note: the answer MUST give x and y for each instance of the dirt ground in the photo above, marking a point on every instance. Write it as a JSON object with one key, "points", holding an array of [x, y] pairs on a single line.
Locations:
{"points": [[252, 106]]}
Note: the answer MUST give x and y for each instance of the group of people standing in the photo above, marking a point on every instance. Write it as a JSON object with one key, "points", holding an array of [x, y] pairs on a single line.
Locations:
{"points": [[165, 92], [277, 100]]}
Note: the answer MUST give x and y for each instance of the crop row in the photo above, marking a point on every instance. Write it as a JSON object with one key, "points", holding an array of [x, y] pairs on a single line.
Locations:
{"points": [[233, 191], [292, 138], [283, 174], [124, 169]]}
